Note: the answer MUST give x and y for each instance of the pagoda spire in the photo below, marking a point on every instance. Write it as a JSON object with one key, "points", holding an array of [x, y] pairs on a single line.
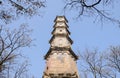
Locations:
{"points": [[60, 58]]}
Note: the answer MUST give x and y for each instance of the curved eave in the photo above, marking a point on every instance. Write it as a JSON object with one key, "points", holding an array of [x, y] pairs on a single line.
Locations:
{"points": [[70, 40], [48, 53], [61, 49], [75, 56], [51, 39]]}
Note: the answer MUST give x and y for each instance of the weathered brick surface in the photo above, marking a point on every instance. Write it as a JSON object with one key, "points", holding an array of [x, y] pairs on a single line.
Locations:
{"points": [[60, 62]]}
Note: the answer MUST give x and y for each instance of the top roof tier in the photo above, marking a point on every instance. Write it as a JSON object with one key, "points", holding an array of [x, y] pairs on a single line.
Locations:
{"points": [[60, 19]]}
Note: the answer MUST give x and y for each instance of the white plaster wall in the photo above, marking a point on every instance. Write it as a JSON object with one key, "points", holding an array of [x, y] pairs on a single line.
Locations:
{"points": [[60, 42], [61, 63], [60, 31], [60, 24], [60, 19]]}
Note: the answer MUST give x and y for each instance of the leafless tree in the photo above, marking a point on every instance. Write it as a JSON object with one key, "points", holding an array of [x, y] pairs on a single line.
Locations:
{"points": [[21, 71], [11, 41], [93, 64], [114, 58], [10, 9], [94, 8]]}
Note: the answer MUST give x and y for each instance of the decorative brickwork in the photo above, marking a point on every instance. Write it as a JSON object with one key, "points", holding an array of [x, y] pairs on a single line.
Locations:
{"points": [[60, 59]]}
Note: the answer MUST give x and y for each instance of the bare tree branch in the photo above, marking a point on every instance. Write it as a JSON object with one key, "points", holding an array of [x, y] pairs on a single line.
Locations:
{"points": [[21, 70], [17, 8], [114, 58], [10, 42], [95, 65], [87, 7]]}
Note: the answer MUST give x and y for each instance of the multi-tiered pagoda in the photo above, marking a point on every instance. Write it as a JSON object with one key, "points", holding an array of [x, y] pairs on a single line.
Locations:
{"points": [[60, 59]]}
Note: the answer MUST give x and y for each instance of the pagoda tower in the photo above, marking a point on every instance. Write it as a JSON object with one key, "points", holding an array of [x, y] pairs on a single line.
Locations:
{"points": [[60, 59]]}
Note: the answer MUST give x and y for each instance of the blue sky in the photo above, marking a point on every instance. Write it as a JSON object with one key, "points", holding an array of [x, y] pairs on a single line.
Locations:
{"points": [[84, 33]]}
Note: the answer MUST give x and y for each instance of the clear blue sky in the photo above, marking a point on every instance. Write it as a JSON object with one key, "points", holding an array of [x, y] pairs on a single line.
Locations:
{"points": [[84, 33]]}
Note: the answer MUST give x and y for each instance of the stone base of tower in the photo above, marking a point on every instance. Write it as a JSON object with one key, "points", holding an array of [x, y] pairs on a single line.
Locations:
{"points": [[61, 75]]}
